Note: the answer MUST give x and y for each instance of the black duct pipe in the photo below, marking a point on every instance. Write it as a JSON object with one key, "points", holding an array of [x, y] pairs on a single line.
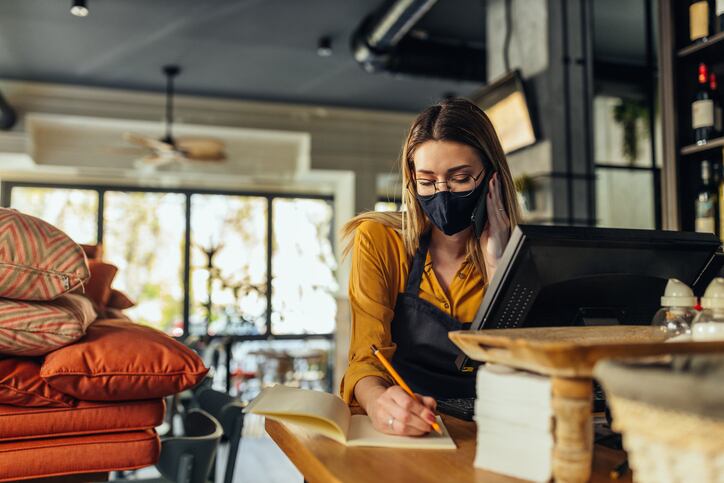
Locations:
{"points": [[7, 115], [379, 45]]}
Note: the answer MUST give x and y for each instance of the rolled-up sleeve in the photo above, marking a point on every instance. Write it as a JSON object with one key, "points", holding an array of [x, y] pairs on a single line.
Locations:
{"points": [[373, 288]]}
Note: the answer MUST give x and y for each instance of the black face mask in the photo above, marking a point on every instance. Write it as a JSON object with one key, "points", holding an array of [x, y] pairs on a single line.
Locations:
{"points": [[451, 214]]}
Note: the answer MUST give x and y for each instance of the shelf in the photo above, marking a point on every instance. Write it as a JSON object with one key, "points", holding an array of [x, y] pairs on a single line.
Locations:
{"points": [[714, 47], [700, 148]]}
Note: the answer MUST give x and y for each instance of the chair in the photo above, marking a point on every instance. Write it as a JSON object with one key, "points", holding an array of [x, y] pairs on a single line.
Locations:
{"points": [[228, 411], [189, 458]]}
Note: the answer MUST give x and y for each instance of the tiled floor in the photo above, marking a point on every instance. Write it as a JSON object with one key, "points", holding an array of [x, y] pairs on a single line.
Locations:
{"points": [[260, 460]]}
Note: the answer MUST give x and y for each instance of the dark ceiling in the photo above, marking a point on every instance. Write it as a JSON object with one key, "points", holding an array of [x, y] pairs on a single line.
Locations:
{"points": [[250, 49]]}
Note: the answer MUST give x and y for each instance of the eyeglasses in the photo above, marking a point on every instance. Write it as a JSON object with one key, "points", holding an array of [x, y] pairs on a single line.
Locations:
{"points": [[459, 186]]}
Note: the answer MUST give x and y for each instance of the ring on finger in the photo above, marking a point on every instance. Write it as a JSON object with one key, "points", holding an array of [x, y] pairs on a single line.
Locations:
{"points": [[390, 421]]}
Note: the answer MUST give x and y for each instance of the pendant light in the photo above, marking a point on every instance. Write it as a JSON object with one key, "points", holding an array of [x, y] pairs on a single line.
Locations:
{"points": [[79, 8]]}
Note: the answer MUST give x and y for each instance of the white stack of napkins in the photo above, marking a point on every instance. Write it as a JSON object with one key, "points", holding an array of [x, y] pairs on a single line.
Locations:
{"points": [[514, 416]]}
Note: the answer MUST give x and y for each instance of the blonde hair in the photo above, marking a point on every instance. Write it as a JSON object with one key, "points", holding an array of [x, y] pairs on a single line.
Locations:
{"points": [[457, 120]]}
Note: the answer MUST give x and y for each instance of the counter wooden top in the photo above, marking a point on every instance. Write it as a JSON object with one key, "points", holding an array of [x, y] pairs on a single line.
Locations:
{"points": [[320, 459]]}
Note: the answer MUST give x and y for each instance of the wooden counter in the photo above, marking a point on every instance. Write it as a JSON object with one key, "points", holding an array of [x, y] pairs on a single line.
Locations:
{"points": [[320, 459]]}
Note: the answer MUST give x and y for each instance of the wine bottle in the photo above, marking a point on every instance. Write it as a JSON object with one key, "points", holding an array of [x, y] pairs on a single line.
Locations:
{"points": [[707, 219], [720, 199], [699, 20], [720, 15], [716, 101], [702, 109]]}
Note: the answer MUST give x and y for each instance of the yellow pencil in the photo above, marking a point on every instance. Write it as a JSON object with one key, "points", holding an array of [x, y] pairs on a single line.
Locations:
{"points": [[398, 379]]}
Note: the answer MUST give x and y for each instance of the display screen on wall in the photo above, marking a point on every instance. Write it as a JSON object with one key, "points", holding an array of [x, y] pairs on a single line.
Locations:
{"points": [[505, 103]]}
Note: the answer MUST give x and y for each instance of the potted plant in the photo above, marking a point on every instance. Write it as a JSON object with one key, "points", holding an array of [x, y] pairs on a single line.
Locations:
{"points": [[525, 186], [627, 114]]}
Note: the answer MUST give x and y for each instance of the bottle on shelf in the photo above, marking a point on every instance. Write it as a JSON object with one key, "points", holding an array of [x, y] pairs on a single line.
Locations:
{"points": [[707, 213], [700, 20], [717, 181], [719, 15], [716, 100], [702, 108]]}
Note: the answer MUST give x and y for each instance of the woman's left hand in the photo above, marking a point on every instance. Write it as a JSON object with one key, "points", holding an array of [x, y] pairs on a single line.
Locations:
{"points": [[496, 234]]}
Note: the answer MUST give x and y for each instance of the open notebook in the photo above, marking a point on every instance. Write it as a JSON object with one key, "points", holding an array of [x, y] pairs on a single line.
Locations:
{"points": [[327, 414]]}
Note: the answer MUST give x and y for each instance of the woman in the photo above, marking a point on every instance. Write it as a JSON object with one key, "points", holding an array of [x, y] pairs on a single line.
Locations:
{"points": [[419, 274]]}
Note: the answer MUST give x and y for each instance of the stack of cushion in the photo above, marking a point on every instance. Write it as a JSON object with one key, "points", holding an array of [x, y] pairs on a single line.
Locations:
{"points": [[71, 381]]}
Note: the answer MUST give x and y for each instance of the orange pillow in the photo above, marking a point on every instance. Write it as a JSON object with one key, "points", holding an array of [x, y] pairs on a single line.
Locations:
{"points": [[36, 328], [21, 385], [94, 453], [85, 418], [119, 360], [93, 252], [119, 300], [98, 288], [37, 261]]}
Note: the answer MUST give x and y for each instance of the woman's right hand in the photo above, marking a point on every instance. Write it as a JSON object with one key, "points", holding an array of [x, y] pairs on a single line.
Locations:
{"points": [[393, 411]]}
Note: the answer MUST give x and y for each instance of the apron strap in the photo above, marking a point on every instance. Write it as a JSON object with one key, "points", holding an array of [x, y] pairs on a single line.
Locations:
{"points": [[418, 265]]}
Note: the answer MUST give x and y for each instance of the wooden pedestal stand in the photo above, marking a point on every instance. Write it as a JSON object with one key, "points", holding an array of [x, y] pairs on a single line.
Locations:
{"points": [[567, 355]]}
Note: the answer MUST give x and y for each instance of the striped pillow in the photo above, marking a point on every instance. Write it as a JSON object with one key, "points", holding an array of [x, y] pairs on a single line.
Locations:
{"points": [[36, 328], [37, 261]]}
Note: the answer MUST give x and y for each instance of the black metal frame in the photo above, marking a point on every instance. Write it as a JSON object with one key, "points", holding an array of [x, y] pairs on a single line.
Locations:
{"points": [[6, 188]]}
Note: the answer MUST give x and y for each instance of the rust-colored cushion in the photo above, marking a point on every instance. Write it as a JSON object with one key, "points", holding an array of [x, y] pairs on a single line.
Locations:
{"points": [[98, 288], [119, 300], [21, 385], [86, 418], [41, 458], [118, 360], [37, 261], [36, 328], [93, 252]]}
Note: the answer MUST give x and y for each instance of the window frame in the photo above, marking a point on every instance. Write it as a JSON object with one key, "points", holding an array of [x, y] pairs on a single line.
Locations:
{"points": [[6, 188]]}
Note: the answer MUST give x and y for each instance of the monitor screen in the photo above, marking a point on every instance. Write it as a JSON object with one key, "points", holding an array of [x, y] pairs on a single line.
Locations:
{"points": [[563, 276], [505, 103]]}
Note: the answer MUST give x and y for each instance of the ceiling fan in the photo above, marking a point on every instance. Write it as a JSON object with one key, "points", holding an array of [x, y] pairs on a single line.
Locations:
{"points": [[170, 149]]}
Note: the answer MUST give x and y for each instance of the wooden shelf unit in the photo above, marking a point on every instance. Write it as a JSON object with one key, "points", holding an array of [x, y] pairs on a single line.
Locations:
{"points": [[702, 148], [678, 62], [714, 43]]}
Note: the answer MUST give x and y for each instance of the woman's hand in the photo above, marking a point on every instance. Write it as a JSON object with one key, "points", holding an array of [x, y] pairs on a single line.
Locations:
{"points": [[496, 234], [393, 411]]}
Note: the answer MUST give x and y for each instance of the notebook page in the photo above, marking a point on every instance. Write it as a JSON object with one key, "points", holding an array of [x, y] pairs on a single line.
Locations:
{"points": [[362, 433], [315, 410]]}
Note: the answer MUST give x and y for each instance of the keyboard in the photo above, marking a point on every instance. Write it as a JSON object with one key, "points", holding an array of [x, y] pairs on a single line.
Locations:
{"points": [[464, 408]]}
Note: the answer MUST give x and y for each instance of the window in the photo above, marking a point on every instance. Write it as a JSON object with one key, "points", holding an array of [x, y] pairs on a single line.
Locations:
{"points": [[228, 264], [627, 169], [258, 364], [220, 283], [387, 206], [303, 266], [143, 235], [72, 210]]}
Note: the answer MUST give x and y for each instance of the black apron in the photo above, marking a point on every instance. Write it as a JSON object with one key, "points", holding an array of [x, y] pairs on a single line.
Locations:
{"points": [[425, 356]]}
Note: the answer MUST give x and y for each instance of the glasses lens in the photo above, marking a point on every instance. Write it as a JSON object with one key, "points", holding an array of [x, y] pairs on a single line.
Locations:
{"points": [[461, 186], [425, 187]]}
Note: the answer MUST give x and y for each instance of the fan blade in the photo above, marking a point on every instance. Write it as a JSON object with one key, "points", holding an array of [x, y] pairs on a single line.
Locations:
{"points": [[201, 149], [126, 151], [154, 161], [148, 142]]}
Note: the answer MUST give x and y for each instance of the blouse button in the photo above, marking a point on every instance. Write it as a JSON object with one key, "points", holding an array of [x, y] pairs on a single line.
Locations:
{"points": [[461, 275], [446, 305]]}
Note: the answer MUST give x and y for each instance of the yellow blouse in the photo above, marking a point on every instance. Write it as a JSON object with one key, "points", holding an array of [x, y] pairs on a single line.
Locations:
{"points": [[379, 272]]}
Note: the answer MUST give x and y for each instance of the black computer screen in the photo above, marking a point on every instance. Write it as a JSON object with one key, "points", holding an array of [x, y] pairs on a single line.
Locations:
{"points": [[560, 276], [564, 276]]}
